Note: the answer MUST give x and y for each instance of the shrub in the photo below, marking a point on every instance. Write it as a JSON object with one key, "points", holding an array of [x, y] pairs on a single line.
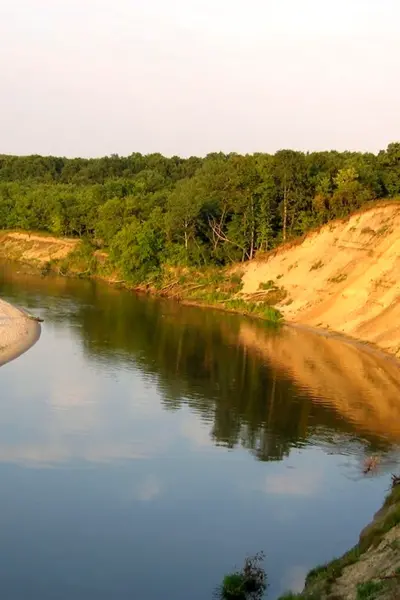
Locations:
{"points": [[369, 590], [248, 584]]}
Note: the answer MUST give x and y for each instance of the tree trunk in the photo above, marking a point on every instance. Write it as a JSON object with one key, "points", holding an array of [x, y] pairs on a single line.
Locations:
{"points": [[285, 203], [186, 237], [251, 252]]}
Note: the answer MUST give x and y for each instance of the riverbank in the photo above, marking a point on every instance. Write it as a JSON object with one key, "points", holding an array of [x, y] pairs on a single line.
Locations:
{"points": [[370, 570], [310, 368], [342, 278], [18, 332]]}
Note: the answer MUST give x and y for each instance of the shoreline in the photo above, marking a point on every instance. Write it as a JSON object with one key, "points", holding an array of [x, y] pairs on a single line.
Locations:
{"points": [[365, 345], [18, 332], [148, 290], [372, 565]]}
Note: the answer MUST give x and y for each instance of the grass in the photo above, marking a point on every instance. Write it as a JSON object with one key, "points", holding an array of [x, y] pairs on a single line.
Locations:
{"points": [[319, 580], [393, 497], [369, 590], [267, 285], [80, 261], [375, 534], [217, 287], [273, 293], [395, 545], [302, 596], [260, 309], [334, 569]]}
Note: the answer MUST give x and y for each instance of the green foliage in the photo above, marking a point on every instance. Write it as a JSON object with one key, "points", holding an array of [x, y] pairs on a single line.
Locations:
{"points": [[302, 596], [81, 261], [335, 567], [150, 210], [374, 535], [138, 247], [321, 579], [369, 590], [233, 586], [267, 285], [260, 309], [248, 584]]}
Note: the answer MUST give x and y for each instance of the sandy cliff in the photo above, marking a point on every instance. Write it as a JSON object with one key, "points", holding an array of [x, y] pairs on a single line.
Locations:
{"points": [[345, 277]]}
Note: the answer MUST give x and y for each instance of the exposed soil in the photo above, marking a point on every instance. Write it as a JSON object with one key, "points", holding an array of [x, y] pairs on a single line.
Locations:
{"points": [[31, 248], [345, 277]]}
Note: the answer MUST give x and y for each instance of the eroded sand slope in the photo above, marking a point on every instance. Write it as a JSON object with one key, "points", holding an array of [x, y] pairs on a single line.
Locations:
{"points": [[346, 277], [34, 248]]}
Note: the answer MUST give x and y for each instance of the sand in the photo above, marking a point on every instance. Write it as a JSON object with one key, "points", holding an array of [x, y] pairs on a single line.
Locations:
{"points": [[17, 332], [343, 278]]}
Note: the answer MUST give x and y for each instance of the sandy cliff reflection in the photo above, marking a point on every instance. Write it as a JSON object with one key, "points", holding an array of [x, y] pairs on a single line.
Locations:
{"points": [[362, 386], [112, 370]]}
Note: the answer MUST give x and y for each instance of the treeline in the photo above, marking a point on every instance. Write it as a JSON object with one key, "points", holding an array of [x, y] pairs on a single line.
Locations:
{"points": [[150, 210]]}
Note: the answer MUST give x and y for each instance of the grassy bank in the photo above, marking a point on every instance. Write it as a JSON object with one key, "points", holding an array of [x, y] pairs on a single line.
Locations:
{"points": [[208, 286], [216, 287], [370, 570]]}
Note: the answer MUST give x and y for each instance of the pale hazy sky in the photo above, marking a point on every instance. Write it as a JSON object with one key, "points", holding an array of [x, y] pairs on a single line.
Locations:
{"points": [[95, 77]]}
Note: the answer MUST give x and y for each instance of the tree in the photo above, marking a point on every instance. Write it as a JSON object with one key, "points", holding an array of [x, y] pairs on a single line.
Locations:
{"points": [[183, 209], [389, 162], [137, 248], [291, 176]]}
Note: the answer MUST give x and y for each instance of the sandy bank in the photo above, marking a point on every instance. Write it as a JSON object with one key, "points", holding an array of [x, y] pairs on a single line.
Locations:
{"points": [[344, 278], [17, 332]]}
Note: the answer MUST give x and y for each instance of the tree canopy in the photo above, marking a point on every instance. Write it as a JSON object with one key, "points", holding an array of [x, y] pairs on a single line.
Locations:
{"points": [[151, 210]]}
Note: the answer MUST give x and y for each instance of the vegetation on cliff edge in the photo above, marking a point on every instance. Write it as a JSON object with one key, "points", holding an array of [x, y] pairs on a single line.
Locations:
{"points": [[149, 212]]}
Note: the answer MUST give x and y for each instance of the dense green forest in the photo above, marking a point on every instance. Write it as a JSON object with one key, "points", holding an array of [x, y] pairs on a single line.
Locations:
{"points": [[148, 211]]}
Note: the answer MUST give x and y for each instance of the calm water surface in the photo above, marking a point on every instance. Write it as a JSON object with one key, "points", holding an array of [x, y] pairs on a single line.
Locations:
{"points": [[146, 448]]}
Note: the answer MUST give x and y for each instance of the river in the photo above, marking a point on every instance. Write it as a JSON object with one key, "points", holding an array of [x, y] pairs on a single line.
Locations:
{"points": [[146, 447]]}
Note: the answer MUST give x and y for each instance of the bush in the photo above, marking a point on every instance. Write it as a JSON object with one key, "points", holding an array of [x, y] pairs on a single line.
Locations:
{"points": [[248, 584]]}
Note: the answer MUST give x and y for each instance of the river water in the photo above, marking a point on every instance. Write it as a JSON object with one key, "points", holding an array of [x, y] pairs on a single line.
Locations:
{"points": [[146, 448]]}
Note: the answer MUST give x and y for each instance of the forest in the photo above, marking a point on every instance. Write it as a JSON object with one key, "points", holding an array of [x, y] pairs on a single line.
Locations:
{"points": [[148, 211]]}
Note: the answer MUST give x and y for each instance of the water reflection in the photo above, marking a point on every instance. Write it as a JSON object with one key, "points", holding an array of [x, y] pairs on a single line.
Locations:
{"points": [[249, 385], [362, 386], [128, 436]]}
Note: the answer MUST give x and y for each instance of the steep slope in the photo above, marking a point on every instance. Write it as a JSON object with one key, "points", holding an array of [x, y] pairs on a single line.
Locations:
{"points": [[31, 248], [345, 277]]}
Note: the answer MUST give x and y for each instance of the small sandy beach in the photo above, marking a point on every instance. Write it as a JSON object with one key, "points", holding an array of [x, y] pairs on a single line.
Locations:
{"points": [[17, 332]]}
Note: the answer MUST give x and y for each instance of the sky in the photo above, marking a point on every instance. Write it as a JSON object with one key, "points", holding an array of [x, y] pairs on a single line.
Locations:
{"points": [[188, 77]]}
